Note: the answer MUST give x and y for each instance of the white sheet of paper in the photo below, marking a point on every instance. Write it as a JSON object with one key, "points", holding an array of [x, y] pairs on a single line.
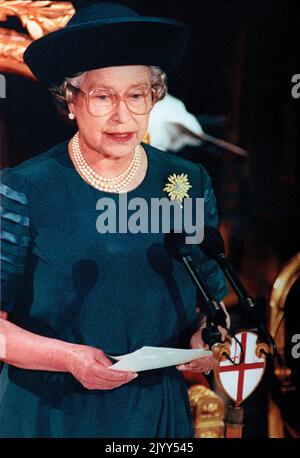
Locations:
{"points": [[147, 358]]}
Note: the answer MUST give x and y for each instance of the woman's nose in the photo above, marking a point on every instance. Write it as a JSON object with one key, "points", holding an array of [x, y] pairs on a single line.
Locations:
{"points": [[121, 112]]}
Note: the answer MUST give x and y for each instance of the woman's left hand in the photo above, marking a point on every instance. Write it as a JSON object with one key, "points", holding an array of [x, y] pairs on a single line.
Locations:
{"points": [[204, 364], [201, 364], [198, 365]]}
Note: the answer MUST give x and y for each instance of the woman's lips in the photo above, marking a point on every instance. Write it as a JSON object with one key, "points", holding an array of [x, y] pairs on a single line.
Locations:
{"points": [[120, 137]]}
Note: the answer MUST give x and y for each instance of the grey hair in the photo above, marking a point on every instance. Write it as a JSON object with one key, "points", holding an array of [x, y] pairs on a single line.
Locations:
{"points": [[159, 81], [64, 94]]}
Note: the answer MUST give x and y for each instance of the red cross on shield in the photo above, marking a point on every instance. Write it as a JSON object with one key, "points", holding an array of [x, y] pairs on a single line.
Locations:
{"points": [[240, 380]]}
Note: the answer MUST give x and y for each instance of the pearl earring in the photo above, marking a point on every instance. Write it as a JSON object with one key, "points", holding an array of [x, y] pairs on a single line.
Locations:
{"points": [[71, 116]]}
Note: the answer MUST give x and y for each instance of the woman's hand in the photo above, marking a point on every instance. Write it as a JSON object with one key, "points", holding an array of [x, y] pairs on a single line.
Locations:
{"points": [[201, 364], [90, 367], [204, 364], [198, 365]]}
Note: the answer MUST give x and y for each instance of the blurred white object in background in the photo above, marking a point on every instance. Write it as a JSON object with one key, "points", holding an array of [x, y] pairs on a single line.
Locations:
{"points": [[172, 127]]}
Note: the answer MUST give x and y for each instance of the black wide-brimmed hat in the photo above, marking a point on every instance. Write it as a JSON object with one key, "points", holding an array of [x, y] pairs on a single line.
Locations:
{"points": [[106, 35]]}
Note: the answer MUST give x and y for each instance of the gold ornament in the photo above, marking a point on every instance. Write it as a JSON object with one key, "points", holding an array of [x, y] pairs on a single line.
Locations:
{"points": [[177, 187], [38, 17]]}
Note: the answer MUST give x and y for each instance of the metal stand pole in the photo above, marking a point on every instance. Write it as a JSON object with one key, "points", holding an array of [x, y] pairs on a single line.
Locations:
{"points": [[234, 424]]}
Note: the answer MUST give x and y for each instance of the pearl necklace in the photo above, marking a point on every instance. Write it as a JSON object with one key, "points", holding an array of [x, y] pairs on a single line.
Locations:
{"points": [[113, 184]]}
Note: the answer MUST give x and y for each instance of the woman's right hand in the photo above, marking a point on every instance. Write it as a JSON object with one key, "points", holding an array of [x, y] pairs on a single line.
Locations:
{"points": [[89, 366]]}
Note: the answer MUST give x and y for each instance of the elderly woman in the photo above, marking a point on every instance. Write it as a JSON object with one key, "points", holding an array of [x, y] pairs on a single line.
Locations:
{"points": [[74, 295]]}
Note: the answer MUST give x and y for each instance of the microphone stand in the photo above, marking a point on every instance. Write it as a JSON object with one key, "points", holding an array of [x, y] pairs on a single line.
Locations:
{"points": [[266, 341], [175, 244], [214, 314], [213, 246]]}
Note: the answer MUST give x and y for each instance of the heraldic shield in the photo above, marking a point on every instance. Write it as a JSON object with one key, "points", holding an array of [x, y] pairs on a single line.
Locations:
{"points": [[240, 375]]}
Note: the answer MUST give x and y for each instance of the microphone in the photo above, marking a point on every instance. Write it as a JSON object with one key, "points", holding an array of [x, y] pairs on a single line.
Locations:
{"points": [[213, 247], [178, 249]]}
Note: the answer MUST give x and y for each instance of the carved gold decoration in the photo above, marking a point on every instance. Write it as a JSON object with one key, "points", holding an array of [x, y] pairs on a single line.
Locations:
{"points": [[282, 285], [208, 412], [262, 349], [221, 351], [39, 18], [12, 47], [281, 288]]}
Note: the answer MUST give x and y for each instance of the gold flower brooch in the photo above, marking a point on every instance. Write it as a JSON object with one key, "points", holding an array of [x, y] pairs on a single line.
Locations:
{"points": [[177, 187]]}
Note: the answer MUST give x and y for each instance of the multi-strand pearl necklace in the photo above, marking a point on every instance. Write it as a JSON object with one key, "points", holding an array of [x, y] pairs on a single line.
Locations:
{"points": [[113, 184]]}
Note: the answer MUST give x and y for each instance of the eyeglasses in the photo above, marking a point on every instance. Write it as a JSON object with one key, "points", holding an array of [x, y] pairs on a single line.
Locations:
{"points": [[102, 101]]}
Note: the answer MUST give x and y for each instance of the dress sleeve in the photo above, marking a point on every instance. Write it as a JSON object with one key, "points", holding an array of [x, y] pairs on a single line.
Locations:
{"points": [[15, 236], [208, 267]]}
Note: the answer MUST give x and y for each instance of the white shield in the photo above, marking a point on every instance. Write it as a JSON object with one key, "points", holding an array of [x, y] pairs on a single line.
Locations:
{"points": [[240, 380]]}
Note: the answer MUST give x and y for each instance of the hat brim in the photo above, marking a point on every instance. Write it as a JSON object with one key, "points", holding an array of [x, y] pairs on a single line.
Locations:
{"points": [[126, 41]]}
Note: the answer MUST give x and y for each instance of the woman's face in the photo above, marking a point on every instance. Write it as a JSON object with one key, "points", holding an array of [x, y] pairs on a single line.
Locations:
{"points": [[117, 133]]}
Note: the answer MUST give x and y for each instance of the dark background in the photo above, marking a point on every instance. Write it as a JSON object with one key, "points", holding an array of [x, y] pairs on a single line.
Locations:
{"points": [[236, 77]]}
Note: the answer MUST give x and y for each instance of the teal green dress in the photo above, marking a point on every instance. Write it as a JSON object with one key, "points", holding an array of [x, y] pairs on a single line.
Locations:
{"points": [[63, 279]]}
